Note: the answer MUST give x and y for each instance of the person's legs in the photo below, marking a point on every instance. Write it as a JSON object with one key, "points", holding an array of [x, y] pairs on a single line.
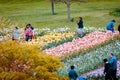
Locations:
{"points": [[113, 74], [112, 29], [27, 38], [108, 77]]}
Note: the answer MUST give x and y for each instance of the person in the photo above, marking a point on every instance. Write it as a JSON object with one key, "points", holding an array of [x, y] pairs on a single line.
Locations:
{"points": [[80, 23], [113, 66], [31, 35], [16, 34], [72, 74], [27, 32], [107, 71], [119, 29], [110, 26]]}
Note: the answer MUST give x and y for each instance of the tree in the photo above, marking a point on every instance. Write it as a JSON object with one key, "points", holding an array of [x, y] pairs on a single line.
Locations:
{"points": [[26, 62], [67, 2], [68, 8], [52, 4]]}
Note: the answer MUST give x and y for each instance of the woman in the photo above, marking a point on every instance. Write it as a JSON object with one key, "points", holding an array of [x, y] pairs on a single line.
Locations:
{"points": [[16, 34], [80, 23]]}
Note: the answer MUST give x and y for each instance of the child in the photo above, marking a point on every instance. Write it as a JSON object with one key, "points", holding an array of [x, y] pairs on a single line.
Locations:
{"points": [[119, 29], [107, 71]]}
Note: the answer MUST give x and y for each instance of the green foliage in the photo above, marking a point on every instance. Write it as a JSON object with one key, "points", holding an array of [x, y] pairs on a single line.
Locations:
{"points": [[5, 25], [19, 1], [115, 12], [41, 33], [27, 62]]}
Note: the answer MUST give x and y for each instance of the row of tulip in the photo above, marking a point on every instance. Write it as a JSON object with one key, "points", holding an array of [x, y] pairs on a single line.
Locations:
{"points": [[52, 37], [79, 44], [48, 30], [65, 38], [92, 59]]}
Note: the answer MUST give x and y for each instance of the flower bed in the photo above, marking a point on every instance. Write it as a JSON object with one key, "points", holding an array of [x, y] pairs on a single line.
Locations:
{"points": [[52, 37], [92, 59], [80, 44]]}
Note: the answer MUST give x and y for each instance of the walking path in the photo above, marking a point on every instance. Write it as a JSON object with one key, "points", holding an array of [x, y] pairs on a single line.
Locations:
{"points": [[99, 71]]}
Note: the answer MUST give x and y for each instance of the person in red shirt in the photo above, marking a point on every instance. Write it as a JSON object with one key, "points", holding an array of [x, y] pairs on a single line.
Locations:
{"points": [[27, 33]]}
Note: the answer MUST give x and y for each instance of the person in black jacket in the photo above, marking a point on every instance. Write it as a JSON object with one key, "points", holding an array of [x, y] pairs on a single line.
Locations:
{"points": [[80, 23], [107, 70], [119, 29]]}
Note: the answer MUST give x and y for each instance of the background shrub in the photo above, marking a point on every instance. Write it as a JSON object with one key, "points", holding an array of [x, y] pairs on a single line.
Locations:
{"points": [[26, 62], [115, 12]]}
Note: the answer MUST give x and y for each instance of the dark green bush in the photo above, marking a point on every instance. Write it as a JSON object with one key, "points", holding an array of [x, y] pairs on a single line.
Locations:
{"points": [[115, 12]]}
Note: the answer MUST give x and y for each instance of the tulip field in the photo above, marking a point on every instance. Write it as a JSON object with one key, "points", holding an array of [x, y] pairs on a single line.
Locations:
{"points": [[86, 53], [58, 43], [47, 38]]}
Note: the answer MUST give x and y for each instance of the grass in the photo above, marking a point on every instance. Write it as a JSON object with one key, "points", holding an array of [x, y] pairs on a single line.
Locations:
{"points": [[38, 13]]}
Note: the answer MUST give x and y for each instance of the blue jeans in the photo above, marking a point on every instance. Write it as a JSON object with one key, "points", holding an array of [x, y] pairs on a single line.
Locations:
{"points": [[27, 38], [111, 29]]}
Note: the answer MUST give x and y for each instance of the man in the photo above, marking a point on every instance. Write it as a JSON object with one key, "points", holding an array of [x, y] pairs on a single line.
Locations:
{"points": [[72, 74], [113, 66], [110, 25]]}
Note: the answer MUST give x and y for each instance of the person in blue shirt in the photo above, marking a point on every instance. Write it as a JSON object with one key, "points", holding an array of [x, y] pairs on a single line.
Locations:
{"points": [[113, 66], [110, 25], [72, 74]]}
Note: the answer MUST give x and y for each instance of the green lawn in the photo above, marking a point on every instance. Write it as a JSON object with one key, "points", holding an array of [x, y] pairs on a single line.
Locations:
{"points": [[95, 14]]}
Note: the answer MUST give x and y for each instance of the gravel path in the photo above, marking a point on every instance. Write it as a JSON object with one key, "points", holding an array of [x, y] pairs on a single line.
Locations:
{"points": [[99, 71]]}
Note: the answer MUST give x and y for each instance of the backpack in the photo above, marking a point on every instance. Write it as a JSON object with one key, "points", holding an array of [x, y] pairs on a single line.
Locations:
{"points": [[82, 78]]}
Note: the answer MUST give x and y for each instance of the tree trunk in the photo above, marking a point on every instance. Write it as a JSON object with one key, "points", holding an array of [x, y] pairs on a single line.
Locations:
{"points": [[68, 6], [52, 3]]}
